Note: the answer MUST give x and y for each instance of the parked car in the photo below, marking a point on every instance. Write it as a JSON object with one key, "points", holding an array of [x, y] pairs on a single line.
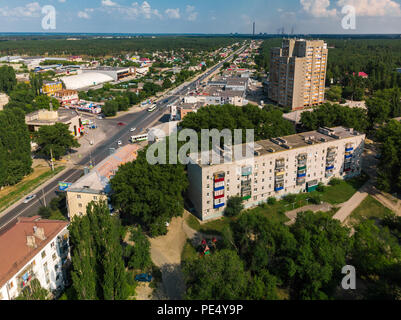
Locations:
{"points": [[30, 198], [143, 277], [121, 124], [119, 142]]}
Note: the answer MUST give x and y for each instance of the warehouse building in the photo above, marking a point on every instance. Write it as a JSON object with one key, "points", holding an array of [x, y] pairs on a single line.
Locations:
{"points": [[276, 167], [116, 73], [85, 80]]}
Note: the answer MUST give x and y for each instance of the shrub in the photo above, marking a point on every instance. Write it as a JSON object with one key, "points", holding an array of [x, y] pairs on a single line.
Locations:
{"points": [[290, 198], [321, 187], [335, 181], [315, 198], [271, 200]]}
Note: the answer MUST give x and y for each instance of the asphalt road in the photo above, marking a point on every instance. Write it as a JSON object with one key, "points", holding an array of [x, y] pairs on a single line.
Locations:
{"points": [[140, 121]]}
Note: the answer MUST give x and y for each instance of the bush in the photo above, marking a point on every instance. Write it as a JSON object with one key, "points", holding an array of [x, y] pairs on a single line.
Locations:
{"points": [[321, 187], [271, 200], [315, 198], [45, 212], [290, 198], [234, 207], [335, 182]]}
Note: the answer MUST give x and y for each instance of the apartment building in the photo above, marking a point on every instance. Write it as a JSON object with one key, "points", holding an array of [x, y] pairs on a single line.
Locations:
{"points": [[33, 248], [67, 96], [298, 73], [51, 87], [275, 167]]}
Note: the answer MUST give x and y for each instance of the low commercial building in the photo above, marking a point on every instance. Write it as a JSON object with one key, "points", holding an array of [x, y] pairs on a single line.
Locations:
{"points": [[33, 248], [85, 80], [43, 117], [94, 186], [51, 87], [275, 167], [67, 96]]}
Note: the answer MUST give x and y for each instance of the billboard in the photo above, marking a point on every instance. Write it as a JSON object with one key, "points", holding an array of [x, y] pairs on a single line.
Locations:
{"points": [[63, 186]]}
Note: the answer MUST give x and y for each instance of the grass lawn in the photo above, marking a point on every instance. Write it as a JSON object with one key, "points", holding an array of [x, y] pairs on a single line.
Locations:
{"points": [[188, 252], [23, 188], [370, 208], [344, 190], [213, 227]]}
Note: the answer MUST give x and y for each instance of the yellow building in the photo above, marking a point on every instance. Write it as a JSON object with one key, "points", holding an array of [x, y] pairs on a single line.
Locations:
{"points": [[51, 87]]}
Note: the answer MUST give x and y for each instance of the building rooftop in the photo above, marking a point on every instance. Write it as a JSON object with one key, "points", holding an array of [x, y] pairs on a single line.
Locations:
{"points": [[14, 251], [46, 117], [98, 179], [275, 145]]}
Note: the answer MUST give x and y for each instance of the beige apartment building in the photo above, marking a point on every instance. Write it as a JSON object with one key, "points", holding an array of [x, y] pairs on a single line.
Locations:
{"points": [[298, 73], [275, 167]]}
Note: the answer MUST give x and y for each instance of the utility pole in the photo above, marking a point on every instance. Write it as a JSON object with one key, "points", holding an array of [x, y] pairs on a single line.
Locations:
{"points": [[51, 159], [44, 198]]}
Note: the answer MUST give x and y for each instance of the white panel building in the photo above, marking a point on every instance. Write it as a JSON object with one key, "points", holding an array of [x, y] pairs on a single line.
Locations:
{"points": [[33, 248], [274, 168]]}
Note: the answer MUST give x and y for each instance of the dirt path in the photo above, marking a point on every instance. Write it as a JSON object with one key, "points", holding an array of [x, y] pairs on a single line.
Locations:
{"points": [[292, 215]]}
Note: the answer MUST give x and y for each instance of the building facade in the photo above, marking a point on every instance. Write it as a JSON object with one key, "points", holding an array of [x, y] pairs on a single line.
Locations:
{"points": [[67, 96], [298, 73], [33, 248], [51, 87], [291, 164]]}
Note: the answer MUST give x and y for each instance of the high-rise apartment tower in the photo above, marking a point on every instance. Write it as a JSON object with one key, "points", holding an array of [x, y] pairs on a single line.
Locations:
{"points": [[298, 73]]}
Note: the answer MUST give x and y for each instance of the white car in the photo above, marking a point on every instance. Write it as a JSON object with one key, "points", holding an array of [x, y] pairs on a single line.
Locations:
{"points": [[119, 142], [29, 198], [132, 129]]}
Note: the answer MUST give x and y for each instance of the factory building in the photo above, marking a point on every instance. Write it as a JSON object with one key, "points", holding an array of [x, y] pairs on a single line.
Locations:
{"points": [[276, 167]]}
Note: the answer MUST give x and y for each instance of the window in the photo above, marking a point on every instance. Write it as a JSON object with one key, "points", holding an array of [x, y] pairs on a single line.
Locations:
{"points": [[78, 196], [52, 245], [94, 197], [80, 205], [207, 186], [207, 177], [43, 254], [11, 284], [54, 257]]}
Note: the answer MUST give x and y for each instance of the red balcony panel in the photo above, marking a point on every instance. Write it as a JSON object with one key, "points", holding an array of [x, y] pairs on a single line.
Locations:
{"points": [[219, 196], [219, 180]]}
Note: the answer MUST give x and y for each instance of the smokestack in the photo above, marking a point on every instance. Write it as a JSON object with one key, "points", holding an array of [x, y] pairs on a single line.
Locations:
{"points": [[254, 28]]}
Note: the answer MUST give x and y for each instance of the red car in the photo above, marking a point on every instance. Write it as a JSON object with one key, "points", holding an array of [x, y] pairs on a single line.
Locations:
{"points": [[121, 124]]}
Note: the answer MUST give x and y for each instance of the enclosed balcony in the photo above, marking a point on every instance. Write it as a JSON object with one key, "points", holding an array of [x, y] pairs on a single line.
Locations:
{"points": [[280, 164]]}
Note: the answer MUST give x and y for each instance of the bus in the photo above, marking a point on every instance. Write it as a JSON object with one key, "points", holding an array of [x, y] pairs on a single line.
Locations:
{"points": [[141, 137], [152, 108]]}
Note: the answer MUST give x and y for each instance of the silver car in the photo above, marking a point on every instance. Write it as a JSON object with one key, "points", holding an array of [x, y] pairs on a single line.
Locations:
{"points": [[29, 198]]}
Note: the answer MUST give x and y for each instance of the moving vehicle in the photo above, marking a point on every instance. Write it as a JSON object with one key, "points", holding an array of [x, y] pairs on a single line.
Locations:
{"points": [[119, 142], [121, 124], [132, 129], [141, 137], [165, 101], [30, 198], [152, 108], [143, 277]]}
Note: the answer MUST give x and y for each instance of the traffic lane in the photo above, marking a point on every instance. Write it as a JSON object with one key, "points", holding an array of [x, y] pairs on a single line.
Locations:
{"points": [[31, 208]]}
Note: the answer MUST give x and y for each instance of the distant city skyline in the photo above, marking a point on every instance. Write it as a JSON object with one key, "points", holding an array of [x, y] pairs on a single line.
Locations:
{"points": [[205, 17]]}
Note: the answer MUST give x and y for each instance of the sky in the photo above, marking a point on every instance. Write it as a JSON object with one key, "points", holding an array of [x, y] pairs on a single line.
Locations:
{"points": [[203, 16]]}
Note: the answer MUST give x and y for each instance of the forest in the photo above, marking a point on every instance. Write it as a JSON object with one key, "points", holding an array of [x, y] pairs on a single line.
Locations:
{"points": [[111, 47]]}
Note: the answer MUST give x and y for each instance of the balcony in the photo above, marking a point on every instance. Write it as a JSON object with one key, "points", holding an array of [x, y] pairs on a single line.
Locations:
{"points": [[348, 156], [278, 188], [218, 188], [329, 168], [279, 173], [301, 175], [246, 171], [329, 174], [280, 164], [218, 205]]}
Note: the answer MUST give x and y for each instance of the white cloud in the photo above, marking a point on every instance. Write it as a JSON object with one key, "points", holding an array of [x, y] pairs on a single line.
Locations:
{"points": [[173, 13], [108, 3], [373, 8], [32, 9], [62, 1], [192, 15], [318, 8], [85, 14]]}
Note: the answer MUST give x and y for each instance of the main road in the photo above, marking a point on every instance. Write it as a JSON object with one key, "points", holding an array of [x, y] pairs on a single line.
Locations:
{"points": [[141, 120]]}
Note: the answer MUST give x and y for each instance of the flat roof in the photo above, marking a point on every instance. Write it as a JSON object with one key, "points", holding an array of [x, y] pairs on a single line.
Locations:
{"points": [[299, 140]]}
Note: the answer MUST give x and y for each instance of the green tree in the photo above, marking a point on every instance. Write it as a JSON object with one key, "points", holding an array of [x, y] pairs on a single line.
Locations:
{"points": [[220, 276], [234, 207], [34, 292], [98, 271], [7, 79], [56, 139], [139, 253], [149, 195]]}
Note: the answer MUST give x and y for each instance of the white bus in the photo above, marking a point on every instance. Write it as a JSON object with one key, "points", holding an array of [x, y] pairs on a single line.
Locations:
{"points": [[152, 108], [141, 137]]}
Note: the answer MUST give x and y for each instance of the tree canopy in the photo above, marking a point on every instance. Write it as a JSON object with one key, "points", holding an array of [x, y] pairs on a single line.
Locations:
{"points": [[56, 139], [98, 271]]}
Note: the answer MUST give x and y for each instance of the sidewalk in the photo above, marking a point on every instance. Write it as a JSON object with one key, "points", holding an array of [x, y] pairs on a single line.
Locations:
{"points": [[292, 215]]}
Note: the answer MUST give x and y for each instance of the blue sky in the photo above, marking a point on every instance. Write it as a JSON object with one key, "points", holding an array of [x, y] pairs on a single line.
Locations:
{"points": [[201, 16]]}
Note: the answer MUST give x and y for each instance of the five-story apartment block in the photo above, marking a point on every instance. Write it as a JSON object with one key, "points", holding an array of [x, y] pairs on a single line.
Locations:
{"points": [[279, 166], [298, 73]]}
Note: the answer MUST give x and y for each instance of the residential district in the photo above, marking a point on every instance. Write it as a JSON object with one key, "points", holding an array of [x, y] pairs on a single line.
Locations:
{"points": [[316, 150]]}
